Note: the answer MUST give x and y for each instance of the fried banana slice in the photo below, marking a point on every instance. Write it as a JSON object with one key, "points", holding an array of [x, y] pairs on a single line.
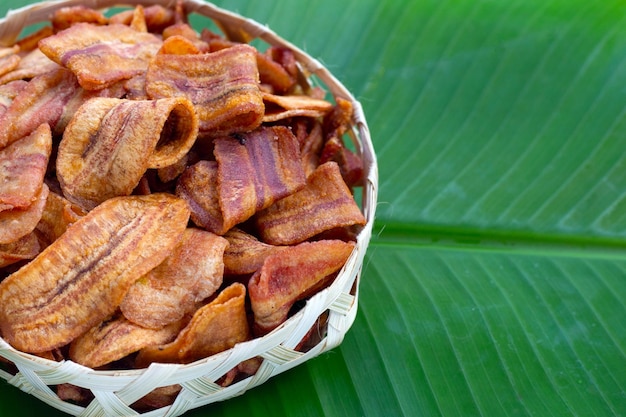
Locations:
{"points": [[255, 170], [197, 185], [279, 107], [81, 278], [65, 17], [23, 165], [41, 101], [223, 85], [110, 143], [324, 204], [245, 253], [32, 64], [58, 214], [191, 273], [22, 249], [17, 223], [9, 63], [291, 275], [156, 16], [8, 92], [116, 338], [216, 327], [101, 55], [277, 69]]}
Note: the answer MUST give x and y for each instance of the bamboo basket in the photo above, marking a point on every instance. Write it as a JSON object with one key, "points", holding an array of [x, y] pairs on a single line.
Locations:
{"points": [[115, 391]]}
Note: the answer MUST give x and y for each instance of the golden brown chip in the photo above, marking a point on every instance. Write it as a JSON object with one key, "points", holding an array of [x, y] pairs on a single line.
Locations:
{"points": [[279, 107], [289, 275], [101, 55], [57, 216], [178, 45], [255, 170], [110, 143], [216, 327], [350, 164], [8, 92], [273, 73], [42, 101], [190, 274], [310, 147], [30, 42], [138, 22], [197, 185], [81, 278], [9, 63], [31, 65], [23, 165], [17, 223], [24, 248], [156, 16], [324, 204], [339, 120], [223, 85], [184, 30], [65, 17], [245, 253], [115, 338]]}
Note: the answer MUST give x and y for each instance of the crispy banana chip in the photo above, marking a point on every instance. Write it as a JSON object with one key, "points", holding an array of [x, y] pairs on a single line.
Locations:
{"points": [[245, 253], [101, 55], [116, 338], [110, 143], [58, 214], [190, 274], [156, 16], [17, 223], [41, 101], [31, 65], [223, 85], [278, 107], [65, 17], [290, 275], [197, 185], [8, 92], [30, 42], [23, 165], [82, 277], [273, 73], [311, 143], [255, 170], [9, 63], [22, 249], [185, 31], [324, 204], [216, 327]]}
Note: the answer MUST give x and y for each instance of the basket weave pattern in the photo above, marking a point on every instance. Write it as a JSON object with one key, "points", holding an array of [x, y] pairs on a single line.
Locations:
{"points": [[114, 391]]}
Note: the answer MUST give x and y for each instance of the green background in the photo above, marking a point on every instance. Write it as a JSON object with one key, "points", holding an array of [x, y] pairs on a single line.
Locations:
{"points": [[495, 283]]}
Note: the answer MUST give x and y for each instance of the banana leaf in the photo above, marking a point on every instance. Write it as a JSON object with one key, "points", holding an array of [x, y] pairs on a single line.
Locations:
{"points": [[495, 283]]}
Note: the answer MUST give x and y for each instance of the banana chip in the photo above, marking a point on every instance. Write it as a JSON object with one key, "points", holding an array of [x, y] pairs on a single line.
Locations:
{"points": [[214, 328], [190, 274], [82, 277], [110, 143]]}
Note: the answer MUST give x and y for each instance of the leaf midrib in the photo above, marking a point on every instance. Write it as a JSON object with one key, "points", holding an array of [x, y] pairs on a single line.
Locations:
{"points": [[522, 242]]}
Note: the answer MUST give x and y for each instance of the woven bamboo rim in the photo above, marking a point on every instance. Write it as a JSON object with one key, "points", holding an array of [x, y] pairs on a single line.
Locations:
{"points": [[114, 391]]}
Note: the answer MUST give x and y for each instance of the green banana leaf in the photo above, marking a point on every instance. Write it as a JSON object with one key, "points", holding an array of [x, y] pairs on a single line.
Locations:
{"points": [[495, 283]]}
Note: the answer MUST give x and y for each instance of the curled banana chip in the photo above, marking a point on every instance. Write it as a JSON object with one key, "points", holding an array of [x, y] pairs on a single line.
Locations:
{"points": [[110, 143], [213, 328]]}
